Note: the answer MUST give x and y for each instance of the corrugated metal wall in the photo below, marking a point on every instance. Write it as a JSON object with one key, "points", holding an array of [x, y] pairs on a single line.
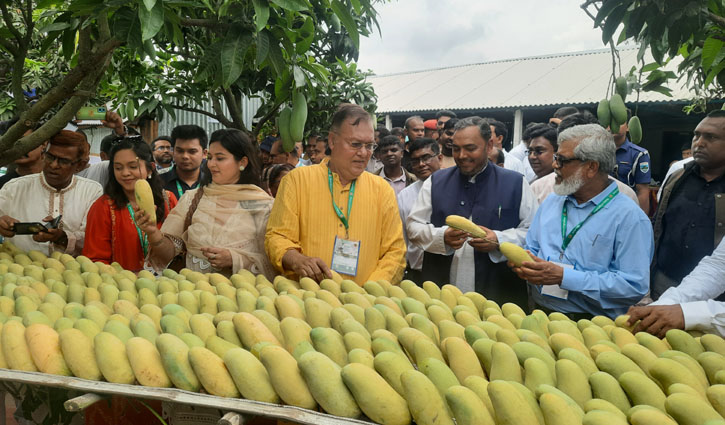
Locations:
{"points": [[249, 109]]}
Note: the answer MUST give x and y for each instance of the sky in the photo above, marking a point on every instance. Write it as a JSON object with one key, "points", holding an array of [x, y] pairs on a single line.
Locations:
{"points": [[425, 34]]}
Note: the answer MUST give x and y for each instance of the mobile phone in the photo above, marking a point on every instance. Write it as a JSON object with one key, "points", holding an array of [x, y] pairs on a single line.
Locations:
{"points": [[91, 113], [33, 228], [28, 228]]}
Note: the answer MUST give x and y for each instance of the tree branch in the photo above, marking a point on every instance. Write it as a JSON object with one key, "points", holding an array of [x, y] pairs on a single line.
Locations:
{"points": [[718, 20], [234, 109], [92, 70], [205, 23], [9, 22], [272, 112], [222, 119]]}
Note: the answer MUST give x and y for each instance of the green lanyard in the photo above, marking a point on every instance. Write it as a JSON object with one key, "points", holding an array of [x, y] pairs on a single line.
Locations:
{"points": [[141, 236], [564, 217], [179, 189], [340, 215]]}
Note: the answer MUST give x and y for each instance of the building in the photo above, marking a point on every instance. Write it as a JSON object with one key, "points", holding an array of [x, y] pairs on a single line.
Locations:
{"points": [[519, 91]]}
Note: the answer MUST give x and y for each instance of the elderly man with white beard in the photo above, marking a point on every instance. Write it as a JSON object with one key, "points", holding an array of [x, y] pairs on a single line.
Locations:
{"points": [[591, 246]]}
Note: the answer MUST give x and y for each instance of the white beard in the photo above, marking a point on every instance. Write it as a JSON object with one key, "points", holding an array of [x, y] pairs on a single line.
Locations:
{"points": [[570, 185]]}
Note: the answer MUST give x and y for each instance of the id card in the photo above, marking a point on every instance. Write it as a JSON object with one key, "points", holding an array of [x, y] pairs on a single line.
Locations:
{"points": [[555, 290], [345, 256]]}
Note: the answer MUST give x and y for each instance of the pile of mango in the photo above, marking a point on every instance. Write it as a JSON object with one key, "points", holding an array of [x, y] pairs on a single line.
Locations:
{"points": [[394, 354]]}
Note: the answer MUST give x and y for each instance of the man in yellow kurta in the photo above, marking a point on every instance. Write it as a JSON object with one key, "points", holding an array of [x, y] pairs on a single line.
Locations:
{"points": [[334, 215]]}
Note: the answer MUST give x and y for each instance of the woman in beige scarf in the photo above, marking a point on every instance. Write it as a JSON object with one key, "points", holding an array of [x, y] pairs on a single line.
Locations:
{"points": [[220, 226]]}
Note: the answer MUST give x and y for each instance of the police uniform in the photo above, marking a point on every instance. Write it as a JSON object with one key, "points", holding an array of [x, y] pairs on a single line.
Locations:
{"points": [[633, 165]]}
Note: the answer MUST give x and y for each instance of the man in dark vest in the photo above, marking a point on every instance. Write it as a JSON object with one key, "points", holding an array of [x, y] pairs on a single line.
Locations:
{"points": [[690, 218], [498, 200]]}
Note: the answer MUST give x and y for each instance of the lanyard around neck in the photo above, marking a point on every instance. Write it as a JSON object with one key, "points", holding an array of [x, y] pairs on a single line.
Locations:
{"points": [[179, 189], [564, 217], [142, 237], [340, 215]]}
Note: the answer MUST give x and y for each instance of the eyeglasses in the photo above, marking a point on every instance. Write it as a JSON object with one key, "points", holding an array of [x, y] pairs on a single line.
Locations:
{"points": [[63, 162], [164, 148], [562, 160], [370, 147], [422, 160], [536, 152]]}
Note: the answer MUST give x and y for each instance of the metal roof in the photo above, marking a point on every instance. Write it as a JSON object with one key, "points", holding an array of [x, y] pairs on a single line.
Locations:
{"points": [[560, 79]]}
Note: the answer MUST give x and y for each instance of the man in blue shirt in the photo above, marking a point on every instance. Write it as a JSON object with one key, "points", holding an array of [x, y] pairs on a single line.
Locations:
{"points": [[593, 246], [633, 165]]}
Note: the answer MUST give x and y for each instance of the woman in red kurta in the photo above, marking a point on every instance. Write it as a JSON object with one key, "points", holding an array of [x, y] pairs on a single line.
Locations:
{"points": [[111, 231]]}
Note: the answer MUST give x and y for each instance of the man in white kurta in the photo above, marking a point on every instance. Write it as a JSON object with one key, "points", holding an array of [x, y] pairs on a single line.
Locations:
{"points": [[44, 196], [425, 159]]}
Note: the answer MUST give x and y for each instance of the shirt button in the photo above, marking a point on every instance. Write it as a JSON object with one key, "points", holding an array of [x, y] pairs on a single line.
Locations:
{"points": [[692, 224], [699, 204], [463, 202], [719, 225], [687, 246]]}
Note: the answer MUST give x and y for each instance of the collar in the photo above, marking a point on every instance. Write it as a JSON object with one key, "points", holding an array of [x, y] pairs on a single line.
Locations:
{"points": [[403, 176], [626, 145], [472, 179], [51, 189], [595, 200]]}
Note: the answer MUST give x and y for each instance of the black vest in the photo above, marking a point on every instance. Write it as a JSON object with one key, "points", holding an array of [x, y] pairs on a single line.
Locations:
{"points": [[496, 189]]}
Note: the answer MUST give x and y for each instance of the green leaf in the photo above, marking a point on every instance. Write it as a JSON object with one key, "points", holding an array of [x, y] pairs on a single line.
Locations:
{"points": [[261, 13], [276, 58], [306, 36], [234, 47], [151, 21], [612, 22], [606, 10], [292, 5], [69, 43], [356, 6], [149, 4], [262, 47], [299, 76], [347, 20], [55, 26], [710, 50]]}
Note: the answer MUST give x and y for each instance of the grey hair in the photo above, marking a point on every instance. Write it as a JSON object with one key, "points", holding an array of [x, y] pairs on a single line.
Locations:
{"points": [[411, 119], [483, 127], [595, 144]]}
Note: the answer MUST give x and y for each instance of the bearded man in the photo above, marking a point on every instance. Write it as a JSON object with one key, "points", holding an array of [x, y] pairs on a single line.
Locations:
{"points": [[591, 246]]}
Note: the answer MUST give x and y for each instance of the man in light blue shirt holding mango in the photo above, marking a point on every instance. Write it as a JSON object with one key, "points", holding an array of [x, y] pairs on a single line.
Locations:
{"points": [[592, 245]]}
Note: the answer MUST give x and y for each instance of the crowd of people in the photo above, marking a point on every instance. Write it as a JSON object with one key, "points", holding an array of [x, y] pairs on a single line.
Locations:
{"points": [[371, 203]]}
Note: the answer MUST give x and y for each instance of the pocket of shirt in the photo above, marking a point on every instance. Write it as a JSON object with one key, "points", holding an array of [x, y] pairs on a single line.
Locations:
{"points": [[599, 255]]}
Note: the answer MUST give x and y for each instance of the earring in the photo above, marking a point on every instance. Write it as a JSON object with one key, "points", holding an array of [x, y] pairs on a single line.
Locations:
{"points": [[241, 168]]}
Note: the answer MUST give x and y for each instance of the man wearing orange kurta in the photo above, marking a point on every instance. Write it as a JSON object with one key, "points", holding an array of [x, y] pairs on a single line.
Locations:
{"points": [[336, 216]]}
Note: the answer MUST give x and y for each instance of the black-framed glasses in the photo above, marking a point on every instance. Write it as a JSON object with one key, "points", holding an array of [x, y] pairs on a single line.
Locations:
{"points": [[562, 160], [422, 159], [63, 162]]}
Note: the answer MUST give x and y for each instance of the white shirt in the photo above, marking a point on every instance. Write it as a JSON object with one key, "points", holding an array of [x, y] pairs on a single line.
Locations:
{"points": [[30, 198], [676, 166], [696, 292], [519, 152], [544, 186], [406, 200], [513, 164], [430, 238], [97, 172]]}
